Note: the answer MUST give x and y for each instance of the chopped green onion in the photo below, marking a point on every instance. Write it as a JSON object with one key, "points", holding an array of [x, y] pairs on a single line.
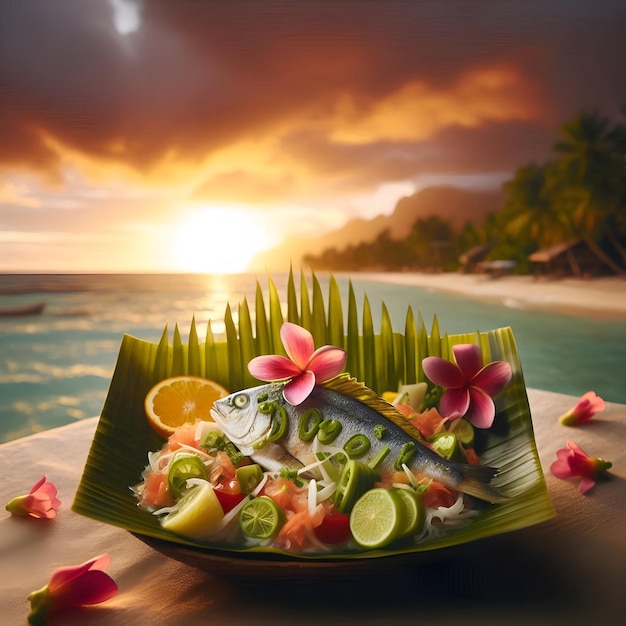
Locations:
{"points": [[267, 408], [213, 441], [407, 452], [357, 446], [309, 424], [233, 453], [217, 442], [292, 475], [328, 431], [380, 457], [280, 422]]}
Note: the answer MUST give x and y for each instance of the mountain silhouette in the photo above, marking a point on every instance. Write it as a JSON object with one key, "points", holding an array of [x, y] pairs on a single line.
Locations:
{"points": [[453, 204]]}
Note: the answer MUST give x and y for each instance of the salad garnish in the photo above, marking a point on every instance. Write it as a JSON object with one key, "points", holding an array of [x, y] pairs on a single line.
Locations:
{"points": [[325, 464]]}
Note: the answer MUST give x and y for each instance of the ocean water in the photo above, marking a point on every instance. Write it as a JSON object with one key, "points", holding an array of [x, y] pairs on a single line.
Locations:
{"points": [[55, 367]]}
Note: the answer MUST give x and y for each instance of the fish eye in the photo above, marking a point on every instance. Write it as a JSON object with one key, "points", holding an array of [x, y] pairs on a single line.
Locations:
{"points": [[241, 400]]}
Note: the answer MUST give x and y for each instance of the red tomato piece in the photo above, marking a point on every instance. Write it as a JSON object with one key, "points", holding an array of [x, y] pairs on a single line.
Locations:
{"points": [[335, 528], [228, 493], [228, 500]]}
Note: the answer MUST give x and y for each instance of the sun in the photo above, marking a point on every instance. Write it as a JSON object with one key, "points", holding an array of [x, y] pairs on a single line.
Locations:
{"points": [[219, 240]]}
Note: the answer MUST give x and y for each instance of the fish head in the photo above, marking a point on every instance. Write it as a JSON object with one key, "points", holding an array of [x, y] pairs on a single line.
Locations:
{"points": [[239, 416]]}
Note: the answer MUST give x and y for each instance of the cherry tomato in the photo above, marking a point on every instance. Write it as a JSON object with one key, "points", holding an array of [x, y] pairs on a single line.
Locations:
{"points": [[229, 494], [228, 500], [228, 485], [335, 528]]}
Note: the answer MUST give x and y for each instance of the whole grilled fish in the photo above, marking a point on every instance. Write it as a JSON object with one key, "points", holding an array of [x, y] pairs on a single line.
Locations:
{"points": [[276, 435]]}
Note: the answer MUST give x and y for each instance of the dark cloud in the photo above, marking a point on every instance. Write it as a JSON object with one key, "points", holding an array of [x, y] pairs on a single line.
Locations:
{"points": [[498, 147], [200, 76]]}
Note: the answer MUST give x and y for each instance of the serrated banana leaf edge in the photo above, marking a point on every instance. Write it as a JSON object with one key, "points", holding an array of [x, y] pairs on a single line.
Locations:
{"points": [[382, 360]]}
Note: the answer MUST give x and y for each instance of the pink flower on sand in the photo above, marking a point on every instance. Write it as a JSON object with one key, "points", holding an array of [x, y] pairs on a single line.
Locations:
{"points": [[73, 586], [573, 462], [469, 387], [585, 409], [305, 366], [40, 502]]}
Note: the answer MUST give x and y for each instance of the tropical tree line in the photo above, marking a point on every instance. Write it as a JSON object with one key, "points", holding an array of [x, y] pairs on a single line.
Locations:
{"points": [[577, 194]]}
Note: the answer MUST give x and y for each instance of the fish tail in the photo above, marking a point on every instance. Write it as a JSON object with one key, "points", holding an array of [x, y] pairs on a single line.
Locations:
{"points": [[476, 482]]}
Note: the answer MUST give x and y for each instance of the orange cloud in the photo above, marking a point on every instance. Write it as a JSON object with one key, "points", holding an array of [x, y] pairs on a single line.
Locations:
{"points": [[418, 111]]}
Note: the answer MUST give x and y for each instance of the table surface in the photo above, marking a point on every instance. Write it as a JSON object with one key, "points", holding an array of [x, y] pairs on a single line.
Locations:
{"points": [[568, 570]]}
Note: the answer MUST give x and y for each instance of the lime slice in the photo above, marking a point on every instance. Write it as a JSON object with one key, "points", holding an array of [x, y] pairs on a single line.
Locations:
{"points": [[196, 514], [183, 467], [464, 432], [356, 478], [377, 518], [261, 518], [248, 477], [448, 446], [413, 512]]}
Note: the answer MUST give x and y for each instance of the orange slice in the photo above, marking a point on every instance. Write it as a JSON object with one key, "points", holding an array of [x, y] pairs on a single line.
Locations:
{"points": [[181, 400]]}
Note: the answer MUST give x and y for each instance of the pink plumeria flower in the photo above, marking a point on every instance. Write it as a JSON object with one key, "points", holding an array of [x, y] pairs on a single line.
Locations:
{"points": [[305, 366], [74, 586], [469, 387], [585, 409], [573, 462], [41, 501]]}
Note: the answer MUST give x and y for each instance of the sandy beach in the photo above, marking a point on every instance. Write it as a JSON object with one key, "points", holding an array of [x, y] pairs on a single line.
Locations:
{"points": [[602, 297]]}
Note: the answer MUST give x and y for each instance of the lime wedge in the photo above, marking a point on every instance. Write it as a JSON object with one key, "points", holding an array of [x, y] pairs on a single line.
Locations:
{"points": [[261, 518], [197, 513], [413, 512], [183, 467], [377, 518], [448, 446], [248, 477], [464, 432]]}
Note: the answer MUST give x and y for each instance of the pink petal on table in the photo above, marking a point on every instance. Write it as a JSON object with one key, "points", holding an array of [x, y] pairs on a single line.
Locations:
{"points": [[493, 378], [469, 358], [40, 483], [327, 362], [272, 367], [576, 449], [299, 389], [586, 407], [592, 402], [298, 343], [586, 484], [91, 587], [561, 468], [442, 372], [40, 505], [65, 574]]}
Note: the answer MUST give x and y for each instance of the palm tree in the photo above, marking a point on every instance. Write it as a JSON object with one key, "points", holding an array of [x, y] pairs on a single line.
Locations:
{"points": [[592, 174], [530, 214]]}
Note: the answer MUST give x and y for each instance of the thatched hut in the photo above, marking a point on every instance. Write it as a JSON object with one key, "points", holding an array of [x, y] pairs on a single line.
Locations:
{"points": [[470, 259], [573, 258]]}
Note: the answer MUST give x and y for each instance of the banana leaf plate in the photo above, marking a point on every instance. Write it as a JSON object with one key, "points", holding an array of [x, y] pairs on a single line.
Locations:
{"points": [[382, 360]]}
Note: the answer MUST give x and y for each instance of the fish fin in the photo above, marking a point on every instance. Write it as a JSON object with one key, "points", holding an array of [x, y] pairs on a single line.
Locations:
{"points": [[350, 386], [476, 482]]}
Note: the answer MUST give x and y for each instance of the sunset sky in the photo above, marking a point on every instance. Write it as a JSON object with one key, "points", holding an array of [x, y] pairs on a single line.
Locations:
{"points": [[184, 135]]}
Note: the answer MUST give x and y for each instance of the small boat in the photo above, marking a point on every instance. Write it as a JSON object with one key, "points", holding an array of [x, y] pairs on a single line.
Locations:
{"points": [[19, 311]]}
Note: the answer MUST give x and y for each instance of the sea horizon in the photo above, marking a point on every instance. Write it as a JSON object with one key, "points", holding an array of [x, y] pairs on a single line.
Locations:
{"points": [[56, 367]]}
